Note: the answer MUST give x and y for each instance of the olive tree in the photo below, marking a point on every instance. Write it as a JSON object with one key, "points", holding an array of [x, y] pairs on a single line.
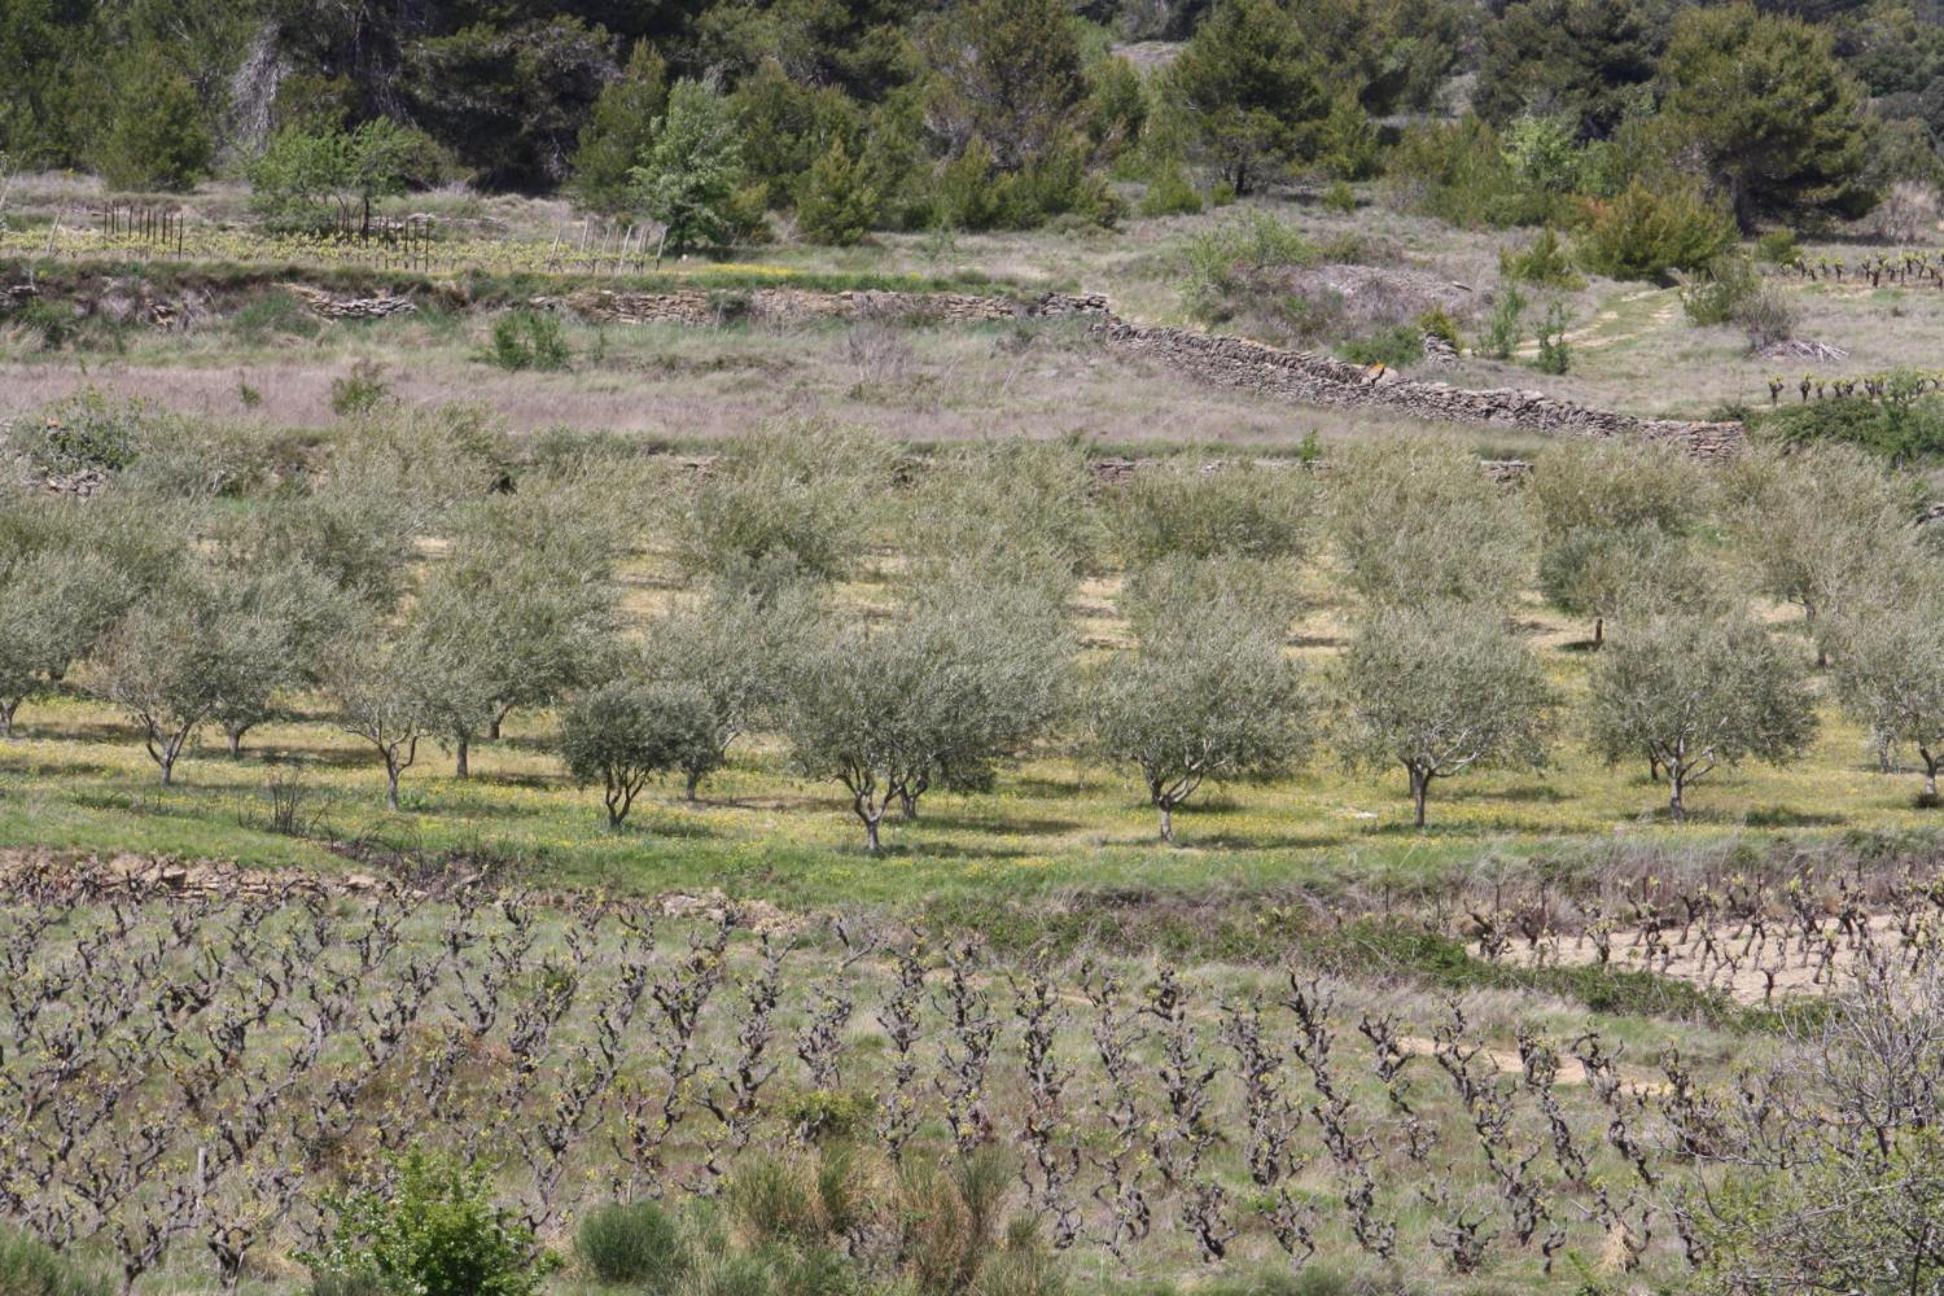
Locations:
{"points": [[736, 650], [1696, 690], [68, 571], [55, 604], [1014, 512], [1420, 520], [935, 698], [797, 499], [1890, 678], [377, 680], [156, 665], [1825, 527], [1207, 511], [1441, 688], [622, 733], [1208, 694], [1615, 521], [269, 629], [523, 610]]}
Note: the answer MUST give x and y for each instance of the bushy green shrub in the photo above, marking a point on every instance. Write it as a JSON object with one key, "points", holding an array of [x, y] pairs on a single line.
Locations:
{"points": [[1778, 247], [1646, 233], [836, 203], [435, 1231], [1340, 198], [274, 314], [361, 391], [529, 339], [1458, 172], [1437, 322], [636, 1243], [1393, 347], [28, 1267], [1169, 193], [1554, 356], [1503, 328], [1543, 262], [1714, 293], [1221, 261], [88, 430]]}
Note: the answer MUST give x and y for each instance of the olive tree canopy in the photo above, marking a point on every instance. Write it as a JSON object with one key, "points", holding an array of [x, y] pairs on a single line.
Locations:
{"points": [[1440, 689]]}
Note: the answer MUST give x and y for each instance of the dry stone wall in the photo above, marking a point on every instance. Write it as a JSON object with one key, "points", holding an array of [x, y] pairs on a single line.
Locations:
{"points": [[1320, 380], [796, 305]]}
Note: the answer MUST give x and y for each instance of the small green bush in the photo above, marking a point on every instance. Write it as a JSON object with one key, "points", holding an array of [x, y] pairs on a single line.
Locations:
{"points": [[1778, 247], [1503, 329], [88, 430], [436, 1231], [1554, 356], [1340, 198], [1221, 262], [1169, 193], [1543, 262], [1437, 322], [29, 1267], [632, 1242], [529, 339], [1719, 289], [55, 324], [361, 391], [1393, 347], [1647, 234]]}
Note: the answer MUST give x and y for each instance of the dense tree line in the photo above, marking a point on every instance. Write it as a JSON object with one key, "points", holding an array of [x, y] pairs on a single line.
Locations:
{"points": [[724, 121], [933, 669]]}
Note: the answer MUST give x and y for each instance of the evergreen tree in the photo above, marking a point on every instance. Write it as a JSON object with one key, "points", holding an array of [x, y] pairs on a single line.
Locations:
{"points": [[620, 130], [156, 136], [1589, 60], [1777, 122], [1247, 82], [836, 205], [1010, 73]]}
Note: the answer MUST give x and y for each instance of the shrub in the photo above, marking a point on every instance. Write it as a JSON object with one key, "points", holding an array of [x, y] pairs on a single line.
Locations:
{"points": [[1767, 316], [1719, 289], [1340, 198], [361, 391], [528, 339], [435, 1231], [1437, 323], [1645, 233], [28, 1267], [1778, 247], [1221, 262], [632, 1242], [1554, 356], [1543, 262], [837, 203], [1502, 330], [1459, 173], [1393, 347], [1170, 194], [88, 430]]}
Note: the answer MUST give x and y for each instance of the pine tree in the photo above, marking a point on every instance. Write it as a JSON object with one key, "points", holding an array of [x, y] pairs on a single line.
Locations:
{"points": [[1778, 122], [835, 205], [1250, 91], [620, 131]]}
